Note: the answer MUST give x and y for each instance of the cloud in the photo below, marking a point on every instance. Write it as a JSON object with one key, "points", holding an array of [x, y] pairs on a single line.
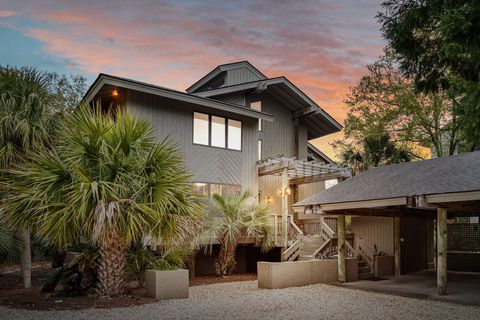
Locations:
{"points": [[7, 13], [321, 46]]}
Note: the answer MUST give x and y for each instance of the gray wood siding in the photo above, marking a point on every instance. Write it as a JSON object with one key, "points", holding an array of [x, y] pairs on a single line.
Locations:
{"points": [[278, 137], [309, 189], [374, 231], [174, 119], [240, 75], [238, 98]]}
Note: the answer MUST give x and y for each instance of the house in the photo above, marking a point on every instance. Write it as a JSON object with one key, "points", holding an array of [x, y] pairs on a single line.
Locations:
{"points": [[240, 130], [402, 211]]}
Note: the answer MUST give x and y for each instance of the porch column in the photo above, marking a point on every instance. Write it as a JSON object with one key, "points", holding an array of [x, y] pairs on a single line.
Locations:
{"points": [[442, 251], [342, 277], [397, 246], [285, 206]]}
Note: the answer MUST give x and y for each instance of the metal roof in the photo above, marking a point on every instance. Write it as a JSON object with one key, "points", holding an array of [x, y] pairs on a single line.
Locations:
{"points": [[105, 79], [453, 174]]}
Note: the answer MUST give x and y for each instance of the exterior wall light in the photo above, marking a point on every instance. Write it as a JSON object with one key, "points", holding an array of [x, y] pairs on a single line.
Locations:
{"points": [[115, 93]]}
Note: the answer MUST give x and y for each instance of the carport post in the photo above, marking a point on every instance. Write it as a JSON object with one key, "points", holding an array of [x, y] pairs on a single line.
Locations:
{"points": [[341, 248], [441, 251], [397, 246]]}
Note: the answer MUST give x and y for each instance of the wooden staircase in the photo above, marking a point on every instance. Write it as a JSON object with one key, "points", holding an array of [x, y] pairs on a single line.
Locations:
{"points": [[364, 270], [310, 244]]}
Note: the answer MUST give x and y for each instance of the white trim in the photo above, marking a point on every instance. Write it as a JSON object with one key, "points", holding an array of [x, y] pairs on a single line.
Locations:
{"points": [[364, 204]]}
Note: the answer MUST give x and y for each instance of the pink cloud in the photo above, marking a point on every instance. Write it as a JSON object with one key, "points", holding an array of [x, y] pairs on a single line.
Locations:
{"points": [[7, 13]]}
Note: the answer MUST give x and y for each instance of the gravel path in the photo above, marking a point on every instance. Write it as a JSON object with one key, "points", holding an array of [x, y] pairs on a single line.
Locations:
{"points": [[243, 300]]}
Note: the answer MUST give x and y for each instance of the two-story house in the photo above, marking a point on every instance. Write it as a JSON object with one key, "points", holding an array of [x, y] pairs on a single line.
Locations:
{"points": [[239, 130]]}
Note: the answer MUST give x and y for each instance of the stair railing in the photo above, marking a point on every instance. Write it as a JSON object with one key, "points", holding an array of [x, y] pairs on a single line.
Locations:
{"points": [[366, 253]]}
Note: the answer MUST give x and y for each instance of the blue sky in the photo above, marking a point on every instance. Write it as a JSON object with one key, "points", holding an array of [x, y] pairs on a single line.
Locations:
{"points": [[322, 46]]}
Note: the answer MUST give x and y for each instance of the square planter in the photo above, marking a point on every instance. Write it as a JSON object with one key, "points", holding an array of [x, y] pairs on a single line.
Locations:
{"points": [[168, 284]]}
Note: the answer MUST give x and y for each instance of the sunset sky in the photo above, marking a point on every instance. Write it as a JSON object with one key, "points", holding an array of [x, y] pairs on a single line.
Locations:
{"points": [[322, 46]]}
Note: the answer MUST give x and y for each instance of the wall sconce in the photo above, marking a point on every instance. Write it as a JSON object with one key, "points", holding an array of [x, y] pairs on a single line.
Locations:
{"points": [[115, 93], [269, 199], [286, 191]]}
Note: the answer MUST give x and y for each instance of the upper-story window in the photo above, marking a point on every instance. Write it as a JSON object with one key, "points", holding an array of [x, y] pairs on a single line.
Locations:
{"points": [[257, 105], [217, 131]]}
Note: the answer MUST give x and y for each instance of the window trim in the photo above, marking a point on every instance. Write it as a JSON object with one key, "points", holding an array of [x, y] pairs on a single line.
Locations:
{"points": [[260, 122], [209, 145]]}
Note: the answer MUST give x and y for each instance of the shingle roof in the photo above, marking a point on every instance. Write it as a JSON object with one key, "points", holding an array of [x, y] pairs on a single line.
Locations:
{"points": [[458, 173]]}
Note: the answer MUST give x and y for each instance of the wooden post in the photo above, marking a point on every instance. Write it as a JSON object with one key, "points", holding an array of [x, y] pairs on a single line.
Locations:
{"points": [[442, 251], [397, 246], [342, 277], [285, 206], [275, 227]]}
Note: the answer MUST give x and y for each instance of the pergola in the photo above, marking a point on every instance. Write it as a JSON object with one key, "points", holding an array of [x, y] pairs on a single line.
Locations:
{"points": [[294, 172], [435, 189]]}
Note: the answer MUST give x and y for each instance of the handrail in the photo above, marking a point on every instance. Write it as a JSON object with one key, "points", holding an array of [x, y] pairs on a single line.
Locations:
{"points": [[322, 247], [328, 230], [294, 225], [350, 249], [363, 251], [292, 252]]}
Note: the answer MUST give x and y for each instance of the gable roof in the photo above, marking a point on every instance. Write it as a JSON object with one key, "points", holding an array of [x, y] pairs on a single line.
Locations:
{"points": [[222, 68], [318, 121], [320, 154], [106, 79], [453, 174]]}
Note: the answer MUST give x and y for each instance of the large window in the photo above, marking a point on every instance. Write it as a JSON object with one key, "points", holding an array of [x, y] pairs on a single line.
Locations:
{"points": [[234, 134], [208, 189], [217, 131], [257, 105], [201, 131]]}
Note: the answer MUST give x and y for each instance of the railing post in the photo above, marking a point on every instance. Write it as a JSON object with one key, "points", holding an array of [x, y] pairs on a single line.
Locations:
{"points": [[275, 228], [341, 249]]}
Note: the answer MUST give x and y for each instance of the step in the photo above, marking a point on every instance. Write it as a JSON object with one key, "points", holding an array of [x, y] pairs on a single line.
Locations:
{"points": [[361, 264]]}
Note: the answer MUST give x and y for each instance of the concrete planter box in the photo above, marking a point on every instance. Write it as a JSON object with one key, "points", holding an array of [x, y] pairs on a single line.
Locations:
{"points": [[168, 284], [384, 266], [274, 275]]}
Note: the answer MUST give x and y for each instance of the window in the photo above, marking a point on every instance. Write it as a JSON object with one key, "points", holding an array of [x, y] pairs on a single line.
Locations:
{"points": [[257, 105], [208, 189], [234, 134], [259, 149], [200, 188], [218, 132], [201, 133], [330, 183], [224, 189]]}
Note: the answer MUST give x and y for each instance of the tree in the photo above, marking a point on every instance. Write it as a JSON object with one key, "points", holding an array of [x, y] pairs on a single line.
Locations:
{"points": [[437, 45], [375, 151], [27, 122], [105, 180], [231, 218], [385, 102]]}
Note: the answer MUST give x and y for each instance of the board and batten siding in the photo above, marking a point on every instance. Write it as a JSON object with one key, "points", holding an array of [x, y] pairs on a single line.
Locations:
{"points": [[174, 119], [374, 231], [240, 75]]}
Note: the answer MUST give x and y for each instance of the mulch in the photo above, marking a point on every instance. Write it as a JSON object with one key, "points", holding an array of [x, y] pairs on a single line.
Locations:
{"points": [[13, 295]]}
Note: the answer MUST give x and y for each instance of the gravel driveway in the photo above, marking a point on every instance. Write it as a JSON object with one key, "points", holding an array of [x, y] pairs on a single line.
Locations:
{"points": [[243, 300]]}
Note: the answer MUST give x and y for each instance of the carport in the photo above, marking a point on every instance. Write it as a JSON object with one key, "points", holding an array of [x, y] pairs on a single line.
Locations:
{"points": [[436, 189]]}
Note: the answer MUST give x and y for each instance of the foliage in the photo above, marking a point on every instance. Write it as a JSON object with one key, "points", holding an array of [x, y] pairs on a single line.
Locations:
{"points": [[384, 102], [108, 181], [10, 246], [67, 92], [375, 151], [141, 258], [437, 45], [78, 277], [231, 218]]}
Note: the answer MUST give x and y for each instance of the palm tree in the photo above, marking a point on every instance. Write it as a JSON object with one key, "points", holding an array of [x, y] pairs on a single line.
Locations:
{"points": [[26, 123], [231, 218], [375, 151], [106, 180]]}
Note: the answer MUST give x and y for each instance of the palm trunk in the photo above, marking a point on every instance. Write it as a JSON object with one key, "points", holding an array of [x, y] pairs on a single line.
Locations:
{"points": [[225, 263], [27, 260], [111, 268]]}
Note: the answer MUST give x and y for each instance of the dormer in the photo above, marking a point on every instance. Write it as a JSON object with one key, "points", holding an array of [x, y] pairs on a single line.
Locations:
{"points": [[226, 75]]}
